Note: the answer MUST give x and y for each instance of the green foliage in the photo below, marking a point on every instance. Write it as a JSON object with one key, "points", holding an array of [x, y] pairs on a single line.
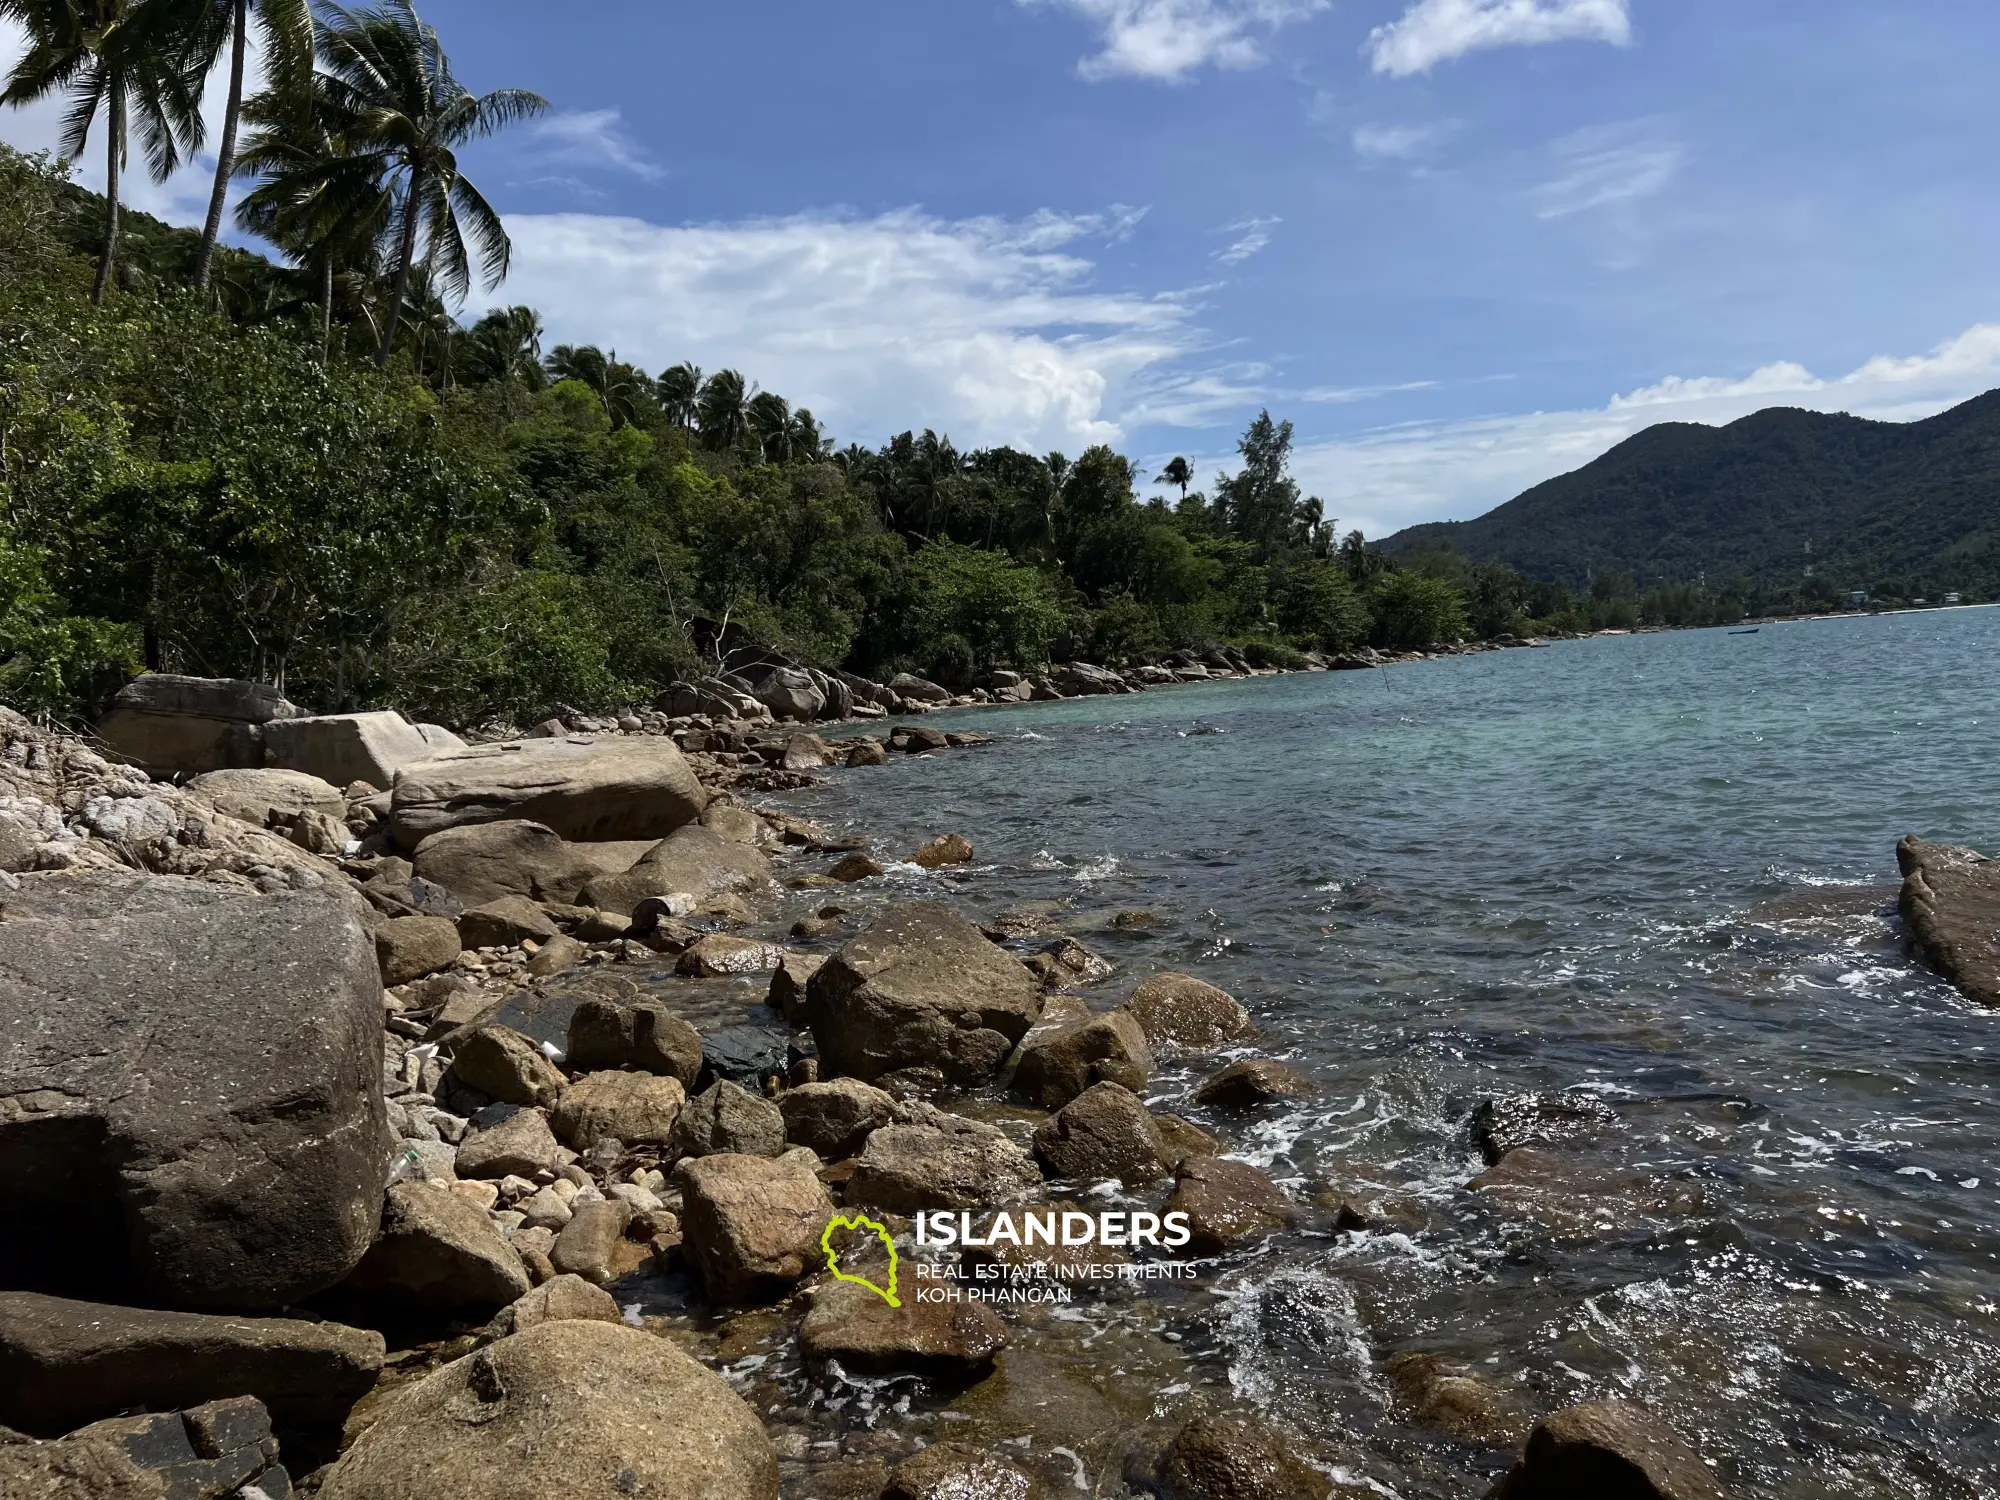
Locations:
{"points": [[1319, 606], [970, 609], [1414, 611]]}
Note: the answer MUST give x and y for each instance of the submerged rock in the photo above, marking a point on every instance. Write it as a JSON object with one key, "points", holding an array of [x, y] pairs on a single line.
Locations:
{"points": [[1501, 1125], [1610, 1450], [1252, 1082], [958, 1471], [1234, 1456], [1951, 902], [1456, 1402]]}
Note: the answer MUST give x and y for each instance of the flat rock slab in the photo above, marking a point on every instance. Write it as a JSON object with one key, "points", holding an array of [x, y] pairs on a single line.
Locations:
{"points": [[585, 789], [65, 1363], [1951, 901], [210, 1452], [190, 1089]]}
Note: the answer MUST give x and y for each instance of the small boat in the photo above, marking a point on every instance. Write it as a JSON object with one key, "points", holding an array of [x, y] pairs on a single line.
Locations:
{"points": [[1751, 631]]}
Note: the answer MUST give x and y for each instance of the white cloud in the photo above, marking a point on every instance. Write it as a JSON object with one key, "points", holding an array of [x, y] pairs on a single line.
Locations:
{"points": [[1252, 235], [1399, 476], [1397, 142], [1607, 166], [1435, 31], [990, 329], [591, 139], [1167, 40]]}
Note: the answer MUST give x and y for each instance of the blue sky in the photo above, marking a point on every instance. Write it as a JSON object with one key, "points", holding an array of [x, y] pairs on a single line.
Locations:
{"points": [[1463, 244]]}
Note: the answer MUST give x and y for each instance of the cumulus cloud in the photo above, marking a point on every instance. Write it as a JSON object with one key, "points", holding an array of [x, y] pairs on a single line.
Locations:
{"points": [[1435, 31], [1169, 40], [1252, 235], [991, 329]]}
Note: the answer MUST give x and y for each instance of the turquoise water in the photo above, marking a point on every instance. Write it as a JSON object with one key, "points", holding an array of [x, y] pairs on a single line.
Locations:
{"points": [[1653, 871]]}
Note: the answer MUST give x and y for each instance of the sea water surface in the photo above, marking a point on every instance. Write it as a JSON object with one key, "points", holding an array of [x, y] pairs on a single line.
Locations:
{"points": [[1654, 872]]}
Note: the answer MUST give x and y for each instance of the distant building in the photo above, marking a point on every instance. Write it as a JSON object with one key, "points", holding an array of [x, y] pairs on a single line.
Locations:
{"points": [[1859, 598], [1953, 599]]}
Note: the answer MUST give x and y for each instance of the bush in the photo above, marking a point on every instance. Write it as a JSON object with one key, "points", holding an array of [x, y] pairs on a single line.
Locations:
{"points": [[1274, 654], [979, 609], [1414, 612], [1319, 606]]}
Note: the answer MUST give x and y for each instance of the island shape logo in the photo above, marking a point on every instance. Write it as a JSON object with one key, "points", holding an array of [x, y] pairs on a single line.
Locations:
{"points": [[861, 1222]]}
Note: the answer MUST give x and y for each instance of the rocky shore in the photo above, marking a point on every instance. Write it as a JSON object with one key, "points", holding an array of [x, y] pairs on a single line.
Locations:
{"points": [[400, 1117]]}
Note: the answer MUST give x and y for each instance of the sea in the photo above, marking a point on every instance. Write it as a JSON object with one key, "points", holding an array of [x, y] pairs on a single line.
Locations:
{"points": [[1649, 880]]}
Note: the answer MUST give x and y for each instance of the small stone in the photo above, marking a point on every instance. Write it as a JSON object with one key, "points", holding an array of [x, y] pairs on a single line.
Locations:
{"points": [[588, 1244], [719, 954], [558, 953], [566, 1298], [505, 923], [1234, 1456], [789, 980], [952, 849], [855, 868], [1252, 1082], [546, 1209]]}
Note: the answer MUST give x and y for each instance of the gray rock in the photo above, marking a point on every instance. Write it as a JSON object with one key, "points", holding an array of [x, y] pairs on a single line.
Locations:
{"points": [[953, 1163], [504, 923], [209, 1452], [922, 987], [519, 1145], [836, 1118], [589, 1242], [340, 748], [725, 1118], [65, 1363], [437, 1254], [789, 981], [408, 948], [483, 862], [1611, 1450], [189, 1089], [169, 723], [1103, 1132], [913, 689], [587, 790], [1058, 1067], [646, 1035], [504, 1065], [264, 797], [639, 1109], [790, 694], [695, 862], [1951, 904]]}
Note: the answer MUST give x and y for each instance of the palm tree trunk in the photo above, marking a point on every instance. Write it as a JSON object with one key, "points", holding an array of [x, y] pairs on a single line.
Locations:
{"points": [[405, 261], [225, 155], [115, 133], [326, 310]]}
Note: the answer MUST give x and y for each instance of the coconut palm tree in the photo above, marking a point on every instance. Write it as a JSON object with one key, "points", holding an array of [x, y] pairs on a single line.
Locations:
{"points": [[680, 394], [388, 75], [769, 418], [808, 438], [107, 61], [722, 410], [506, 345], [1180, 472]]}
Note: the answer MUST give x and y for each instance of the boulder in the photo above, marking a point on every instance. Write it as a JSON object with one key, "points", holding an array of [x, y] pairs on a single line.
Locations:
{"points": [[190, 1093], [804, 752], [169, 723], [867, 752], [914, 689], [789, 980], [1227, 1203], [587, 790], [719, 955], [518, 1143], [1234, 1456], [917, 739], [504, 1065], [738, 824], [922, 987], [943, 1341], [1611, 1450], [565, 1299], [959, 1471], [726, 1119], [754, 1056], [1180, 1011], [267, 798], [1514, 1120], [637, 1108], [790, 694], [408, 948], [952, 1163], [1103, 1132], [588, 1244], [557, 954], [64, 1363], [223, 1450], [437, 1254], [855, 868], [696, 862], [1454, 1401], [1252, 1082], [341, 748], [439, 738], [836, 1118], [951, 849], [1056, 1068], [505, 923], [483, 862], [1951, 904], [752, 1225], [573, 1408], [646, 1035]]}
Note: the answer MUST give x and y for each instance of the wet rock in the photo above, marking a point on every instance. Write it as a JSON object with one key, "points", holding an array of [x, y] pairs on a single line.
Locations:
{"points": [[505, 923], [836, 1118], [267, 798], [953, 1163], [1227, 1203], [1180, 1011], [1066, 962], [1180, 1140], [868, 752], [1433, 1393], [587, 1245], [922, 987], [565, 1299], [1252, 1082], [587, 790], [640, 1109], [645, 1035], [568, 1408], [517, 1144], [959, 1471], [1234, 1456], [1610, 1450], [1951, 903], [1104, 1049], [1103, 1132], [727, 1119], [945, 1341], [189, 1089], [211, 1452], [856, 868], [65, 1363], [507, 1066], [408, 948], [917, 739], [1500, 1125], [695, 862], [719, 955], [1574, 1195], [751, 1056], [436, 1254], [952, 849], [751, 1225], [793, 973]]}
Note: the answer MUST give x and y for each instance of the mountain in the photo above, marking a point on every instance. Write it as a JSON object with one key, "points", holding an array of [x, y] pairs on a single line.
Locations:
{"points": [[1889, 506]]}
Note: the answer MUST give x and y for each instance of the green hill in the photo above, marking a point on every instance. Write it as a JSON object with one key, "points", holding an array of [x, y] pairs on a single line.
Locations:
{"points": [[1898, 508]]}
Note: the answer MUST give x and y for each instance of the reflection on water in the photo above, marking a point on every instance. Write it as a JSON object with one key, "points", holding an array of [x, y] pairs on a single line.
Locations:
{"points": [[1655, 871]]}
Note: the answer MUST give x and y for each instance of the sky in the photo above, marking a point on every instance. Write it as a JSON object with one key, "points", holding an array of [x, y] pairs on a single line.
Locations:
{"points": [[1463, 245]]}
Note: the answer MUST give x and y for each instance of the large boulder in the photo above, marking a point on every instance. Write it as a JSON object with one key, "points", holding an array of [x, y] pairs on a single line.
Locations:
{"points": [[346, 748], [65, 1363], [573, 1407], [222, 1450], [1951, 903], [639, 1109], [1103, 1132], [588, 790], [438, 1254], [504, 923], [854, 1325], [695, 862], [483, 862], [790, 694], [751, 1224], [921, 988], [727, 1119], [646, 1035], [914, 689], [1180, 1011], [190, 1089], [1611, 1450], [948, 1162], [170, 723], [269, 798], [1059, 1066], [834, 1118]]}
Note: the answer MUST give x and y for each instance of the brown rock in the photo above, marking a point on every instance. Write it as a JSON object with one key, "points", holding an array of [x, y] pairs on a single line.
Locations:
{"points": [[1103, 1132], [1227, 1203], [751, 1226], [953, 1163], [607, 1034], [408, 948], [1467, 1409], [557, 954], [952, 849], [867, 753], [518, 1146], [1178, 1010], [506, 923], [1250, 1083], [939, 1340], [726, 1119], [639, 1109], [1179, 1140], [719, 954], [695, 862], [958, 1471], [836, 1118], [789, 980], [587, 1245], [1234, 1456], [1951, 903], [484, 862], [437, 1253], [1610, 1450], [507, 1066], [564, 1299], [854, 868], [1104, 1049]]}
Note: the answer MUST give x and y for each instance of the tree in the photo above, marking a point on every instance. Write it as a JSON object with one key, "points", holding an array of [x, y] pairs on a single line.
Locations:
{"points": [[1319, 605], [1179, 473], [505, 345], [769, 417], [100, 55], [1415, 611], [679, 391], [1261, 503], [407, 117], [722, 410]]}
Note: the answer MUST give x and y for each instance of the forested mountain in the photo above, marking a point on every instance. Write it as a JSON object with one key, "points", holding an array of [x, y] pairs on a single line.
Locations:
{"points": [[1900, 509]]}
